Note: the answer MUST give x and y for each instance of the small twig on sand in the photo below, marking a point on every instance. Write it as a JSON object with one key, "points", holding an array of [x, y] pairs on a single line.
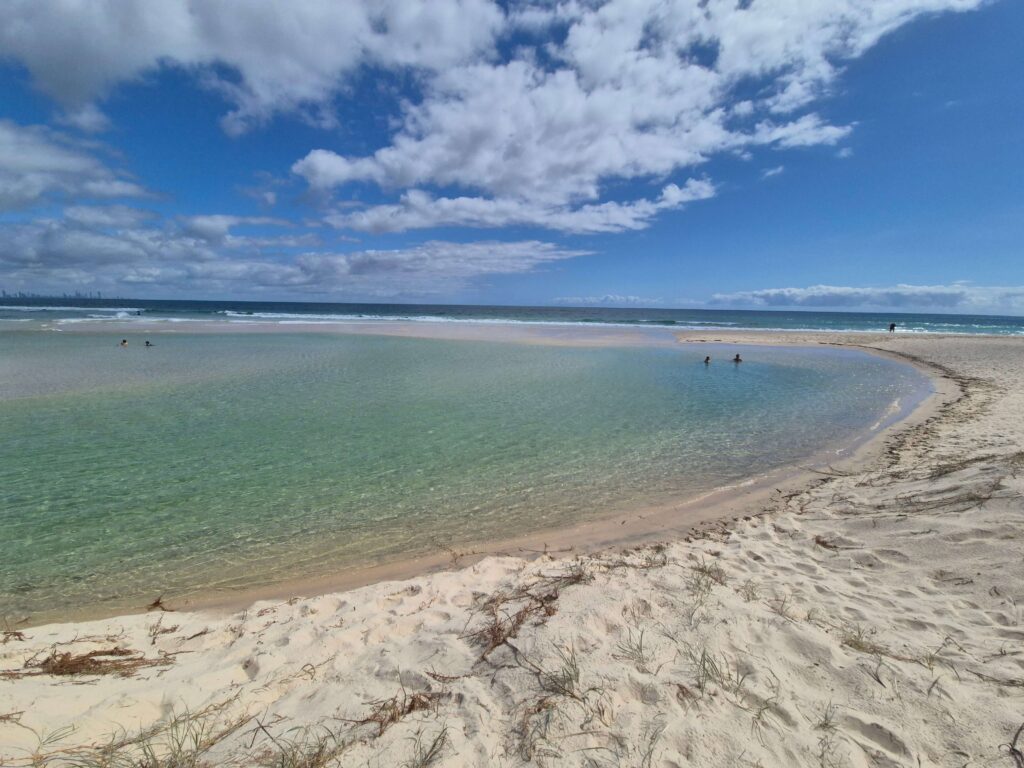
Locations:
{"points": [[1015, 753], [1009, 682], [832, 471]]}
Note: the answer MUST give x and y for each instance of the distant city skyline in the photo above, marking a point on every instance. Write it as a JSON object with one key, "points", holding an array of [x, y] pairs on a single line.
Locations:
{"points": [[824, 155]]}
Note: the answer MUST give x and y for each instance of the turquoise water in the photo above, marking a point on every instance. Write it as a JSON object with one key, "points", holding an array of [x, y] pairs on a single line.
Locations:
{"points": [[216, 461]]}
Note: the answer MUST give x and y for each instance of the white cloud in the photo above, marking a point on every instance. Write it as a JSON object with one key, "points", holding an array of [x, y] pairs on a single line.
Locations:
{"points": [[962, 297], [434, 261], [117, 248], [37, 163], [594, 93], [534, 116], [767, 173], [417, 209], [806, 131], [638, 90], [216, 227], [608, 300], [87, 118], [280, 56], [109, 187], [117, 216]]}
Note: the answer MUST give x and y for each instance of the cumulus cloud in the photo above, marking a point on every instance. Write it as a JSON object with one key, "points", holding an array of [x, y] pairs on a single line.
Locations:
{"points": [[417, 209], [107, 215], [623, 90], [216, 227], [264, 57], [522, 113], [962, 297], [117, 248], [37, 163], [422, 270], [87, 118]]}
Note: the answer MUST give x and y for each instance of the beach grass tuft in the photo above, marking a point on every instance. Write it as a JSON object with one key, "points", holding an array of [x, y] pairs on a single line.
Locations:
{"points": [[632, 649], [860, 639], [426, 753], [183, 740], [749, 590], [311, 747]]}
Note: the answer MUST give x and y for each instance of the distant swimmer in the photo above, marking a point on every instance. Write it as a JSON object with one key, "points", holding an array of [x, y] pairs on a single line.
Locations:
{"points": [[737, 359], [892, 327], [124, 343], [707, 360], [149, 343]]}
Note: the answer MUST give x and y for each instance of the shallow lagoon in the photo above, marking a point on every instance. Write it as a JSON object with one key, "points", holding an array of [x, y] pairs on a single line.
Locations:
{"points": [[223, 460]]}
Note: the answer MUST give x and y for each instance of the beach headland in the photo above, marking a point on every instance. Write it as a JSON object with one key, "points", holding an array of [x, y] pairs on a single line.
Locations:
{"points": [[864, 613]]}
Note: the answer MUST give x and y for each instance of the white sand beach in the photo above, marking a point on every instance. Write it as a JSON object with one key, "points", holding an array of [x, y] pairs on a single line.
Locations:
{"points": [[873, 615]]}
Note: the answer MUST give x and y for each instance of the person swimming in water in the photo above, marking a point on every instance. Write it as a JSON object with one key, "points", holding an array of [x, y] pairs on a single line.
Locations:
{"points": [[707, 360], [124, 343], [737, 359], [148, 343]]}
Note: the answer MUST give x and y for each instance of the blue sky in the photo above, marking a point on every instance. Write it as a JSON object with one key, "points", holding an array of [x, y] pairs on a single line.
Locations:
{"points": [[820, 153]]}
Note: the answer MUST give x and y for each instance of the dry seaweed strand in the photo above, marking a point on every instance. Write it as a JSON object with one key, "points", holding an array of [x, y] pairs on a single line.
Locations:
{"points": [[110, 661], [506, 612], [386, 712], [158, 605]]}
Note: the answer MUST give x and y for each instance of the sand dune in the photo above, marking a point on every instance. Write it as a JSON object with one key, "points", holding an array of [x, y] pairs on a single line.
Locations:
{"points": [[874, 617]]}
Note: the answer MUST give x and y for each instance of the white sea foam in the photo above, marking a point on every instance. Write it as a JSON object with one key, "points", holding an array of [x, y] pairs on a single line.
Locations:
{"points": [[894, 410], [127, 319], [322, 319], [20, 308]]}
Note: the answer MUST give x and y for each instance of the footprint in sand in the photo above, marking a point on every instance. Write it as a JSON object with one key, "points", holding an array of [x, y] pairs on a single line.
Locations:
{"points": [[916, 624], [872, 736], [894, 555], [809, 569]]}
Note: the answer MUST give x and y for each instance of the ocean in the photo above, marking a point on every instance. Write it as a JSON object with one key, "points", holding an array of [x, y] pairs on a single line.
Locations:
{"points": [[152, 311], [217, 461]]}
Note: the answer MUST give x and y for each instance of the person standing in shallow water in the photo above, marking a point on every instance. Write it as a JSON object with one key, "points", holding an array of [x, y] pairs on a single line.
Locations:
{"points": [[707, 360], [892, 327], [737, 359], [124, 343]]}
